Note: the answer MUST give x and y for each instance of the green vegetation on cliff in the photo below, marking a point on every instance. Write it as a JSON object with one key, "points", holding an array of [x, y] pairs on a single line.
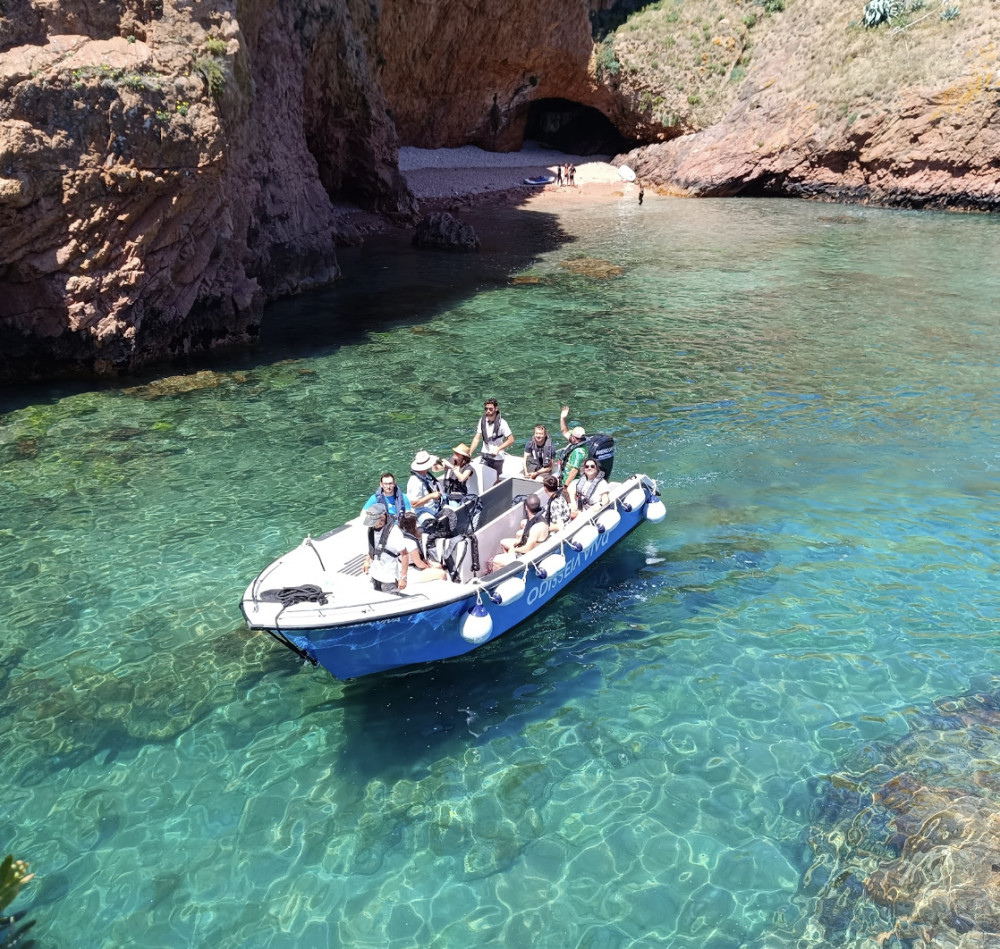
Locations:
{"points": [[682, 64]]}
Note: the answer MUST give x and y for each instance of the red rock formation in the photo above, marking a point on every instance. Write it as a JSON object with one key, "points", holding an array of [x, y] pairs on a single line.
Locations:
{"points": [[165, 168], [443, 63]]}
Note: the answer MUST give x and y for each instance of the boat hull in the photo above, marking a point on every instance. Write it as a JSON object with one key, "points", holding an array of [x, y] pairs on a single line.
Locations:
{"points": [[349, 651]]}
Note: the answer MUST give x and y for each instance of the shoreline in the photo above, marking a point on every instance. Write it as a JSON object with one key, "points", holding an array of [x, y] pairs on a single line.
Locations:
{"points": [[460, 179]]}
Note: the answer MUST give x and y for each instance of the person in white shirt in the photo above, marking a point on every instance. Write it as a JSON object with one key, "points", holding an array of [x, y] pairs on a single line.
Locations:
{"points": [[423, 489], [495, 434], [591, 490], [387, 562]]}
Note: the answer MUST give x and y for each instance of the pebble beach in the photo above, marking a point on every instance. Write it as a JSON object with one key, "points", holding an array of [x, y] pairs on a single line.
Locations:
{"points": [[471, 175]]}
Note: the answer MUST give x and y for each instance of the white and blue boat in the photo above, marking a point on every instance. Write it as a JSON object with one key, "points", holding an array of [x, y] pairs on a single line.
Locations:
{"points": [[317, 601]]}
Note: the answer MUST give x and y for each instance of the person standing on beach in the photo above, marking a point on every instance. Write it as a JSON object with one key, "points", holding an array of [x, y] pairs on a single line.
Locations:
{"points": [[559, 175], [642, 192]]}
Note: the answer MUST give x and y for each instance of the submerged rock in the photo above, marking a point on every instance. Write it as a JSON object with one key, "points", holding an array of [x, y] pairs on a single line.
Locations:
{"points": [[443, 230], [593, 267], [917, 831]]}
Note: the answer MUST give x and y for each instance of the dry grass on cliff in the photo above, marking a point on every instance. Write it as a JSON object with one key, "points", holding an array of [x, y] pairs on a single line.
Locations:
{"points": [[822, 53], [680, 61], [685, 62]]}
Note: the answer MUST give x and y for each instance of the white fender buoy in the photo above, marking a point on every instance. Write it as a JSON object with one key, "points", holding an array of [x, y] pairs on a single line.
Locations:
{"points": [[634, 499], [550, 565], [509, 591], [584, 538], [608, 520], [656, 510], [478, 625]]}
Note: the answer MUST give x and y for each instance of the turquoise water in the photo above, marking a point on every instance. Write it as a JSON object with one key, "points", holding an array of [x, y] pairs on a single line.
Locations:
{"points": [[641, 764]]}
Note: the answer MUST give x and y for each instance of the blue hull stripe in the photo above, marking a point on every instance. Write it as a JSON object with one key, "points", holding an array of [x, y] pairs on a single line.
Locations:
{"points": [[364, 648]]}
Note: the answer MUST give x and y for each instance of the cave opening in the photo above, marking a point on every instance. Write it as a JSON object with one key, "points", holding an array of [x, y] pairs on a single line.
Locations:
{"points": [[574, 128]]}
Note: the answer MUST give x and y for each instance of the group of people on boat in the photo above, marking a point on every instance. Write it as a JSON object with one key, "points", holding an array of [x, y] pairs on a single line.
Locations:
{"points": [[573, 479]]}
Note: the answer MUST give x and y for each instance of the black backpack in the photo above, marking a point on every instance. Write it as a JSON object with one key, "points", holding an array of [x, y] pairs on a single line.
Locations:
{"points": [[600, 447]]}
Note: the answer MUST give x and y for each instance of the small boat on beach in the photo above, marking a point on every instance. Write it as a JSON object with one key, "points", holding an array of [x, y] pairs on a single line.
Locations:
{"points": [[317, 601], [539, 180]]}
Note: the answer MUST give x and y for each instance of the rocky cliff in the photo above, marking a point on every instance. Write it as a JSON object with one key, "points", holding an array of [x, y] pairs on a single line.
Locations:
{"points": [[727, 97], [813, 103], [166, 166]]}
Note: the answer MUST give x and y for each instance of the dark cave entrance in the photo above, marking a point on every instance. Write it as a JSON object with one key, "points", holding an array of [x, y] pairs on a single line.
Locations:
{"points": [[573, 128]]}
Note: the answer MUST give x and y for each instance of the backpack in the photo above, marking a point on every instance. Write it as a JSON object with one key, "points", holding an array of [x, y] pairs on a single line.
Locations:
{"points": [[600, 447]]}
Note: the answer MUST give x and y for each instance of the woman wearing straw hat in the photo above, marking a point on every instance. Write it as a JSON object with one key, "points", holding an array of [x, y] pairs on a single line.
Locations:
{"points": [[459, 470]]}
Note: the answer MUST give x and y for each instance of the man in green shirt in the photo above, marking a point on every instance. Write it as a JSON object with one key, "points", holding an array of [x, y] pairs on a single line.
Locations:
{"points": [[578, 453]]}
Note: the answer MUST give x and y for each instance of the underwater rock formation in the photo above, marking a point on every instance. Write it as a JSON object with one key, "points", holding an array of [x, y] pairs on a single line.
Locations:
{"points": [[918, 834]]}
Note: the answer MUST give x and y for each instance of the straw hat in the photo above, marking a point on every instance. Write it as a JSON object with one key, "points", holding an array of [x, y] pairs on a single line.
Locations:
{"points": [[422, 461], [463, 449]]}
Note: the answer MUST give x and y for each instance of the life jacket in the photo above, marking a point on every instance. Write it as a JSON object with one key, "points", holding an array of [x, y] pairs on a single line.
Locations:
{"points": [[528, 524], [453, 486], [496, 431], [377, 550], [600, 447], [397, 501], [418, 542], [431, 484], [585, 498], [540, 454]]}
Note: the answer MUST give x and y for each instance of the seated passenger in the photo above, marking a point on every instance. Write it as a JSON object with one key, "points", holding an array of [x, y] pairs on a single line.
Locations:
{"points": [[538, 452], [458, 471], [389, 495], [557, 509], [387, 562], [591, 490], [534, 530], [425, 569], [423, 490]]}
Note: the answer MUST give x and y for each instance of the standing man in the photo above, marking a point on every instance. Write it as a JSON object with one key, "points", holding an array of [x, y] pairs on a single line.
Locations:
{"points": [[387, 562], [576, 454], [538, 453], [496, 436]]}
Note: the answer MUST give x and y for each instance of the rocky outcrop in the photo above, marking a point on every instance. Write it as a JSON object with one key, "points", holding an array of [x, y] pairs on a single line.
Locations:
{"points": [[167, 167], [903, 115], [443, 231], [924, 152]]}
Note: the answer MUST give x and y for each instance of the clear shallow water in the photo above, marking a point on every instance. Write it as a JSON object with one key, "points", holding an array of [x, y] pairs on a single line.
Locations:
{"points": [[639, 765]]}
